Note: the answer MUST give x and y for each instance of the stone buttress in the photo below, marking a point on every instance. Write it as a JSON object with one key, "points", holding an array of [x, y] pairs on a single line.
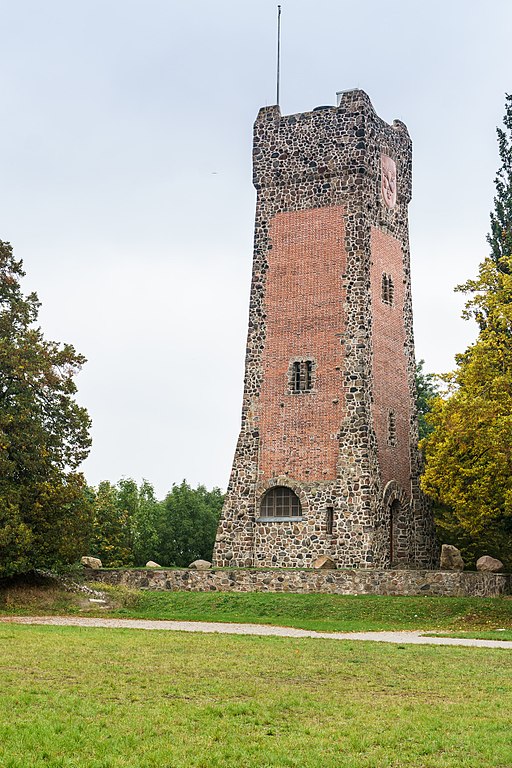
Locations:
{"points": [[327, 459]]}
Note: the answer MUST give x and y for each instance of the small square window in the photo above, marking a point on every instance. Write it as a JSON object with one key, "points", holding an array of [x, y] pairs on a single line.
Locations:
{"points": [[301, 375]]}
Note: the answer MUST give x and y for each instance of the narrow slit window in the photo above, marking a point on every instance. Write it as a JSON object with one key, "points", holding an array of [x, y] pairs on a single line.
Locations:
{"points": [[329, 519], [391, 428], [388, 289]]}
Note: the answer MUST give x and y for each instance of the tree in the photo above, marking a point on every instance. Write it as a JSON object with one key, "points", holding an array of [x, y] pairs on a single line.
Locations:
{"points": [[126, 523], [131, 526], [500, 236], [146, 525], [469, 452], [188, 524], [44, 436], [427, 388], [111, 539]]}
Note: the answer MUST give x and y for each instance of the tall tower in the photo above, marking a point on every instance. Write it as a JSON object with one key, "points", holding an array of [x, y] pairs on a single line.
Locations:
{"points": [[327, 460]]}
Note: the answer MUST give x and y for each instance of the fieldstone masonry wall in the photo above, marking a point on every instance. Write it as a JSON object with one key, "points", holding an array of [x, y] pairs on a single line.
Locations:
{"points": [[333, 186], [350, 582]]}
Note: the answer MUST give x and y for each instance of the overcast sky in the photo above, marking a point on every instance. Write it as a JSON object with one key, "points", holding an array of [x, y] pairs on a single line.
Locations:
{"points": [[125, 187]]}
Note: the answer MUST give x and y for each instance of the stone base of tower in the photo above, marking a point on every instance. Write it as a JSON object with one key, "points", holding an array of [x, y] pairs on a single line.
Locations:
{"points": [[391, 532]]}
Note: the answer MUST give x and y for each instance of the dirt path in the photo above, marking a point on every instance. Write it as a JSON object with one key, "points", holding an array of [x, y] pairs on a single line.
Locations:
{"points": [[409, 637]]}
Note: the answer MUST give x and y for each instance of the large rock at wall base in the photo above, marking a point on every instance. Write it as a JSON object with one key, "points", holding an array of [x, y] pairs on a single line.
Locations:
{"points": [[91, 562], [451, 559], [152, 564], [324, 563], [489, 564], [200, 565]]}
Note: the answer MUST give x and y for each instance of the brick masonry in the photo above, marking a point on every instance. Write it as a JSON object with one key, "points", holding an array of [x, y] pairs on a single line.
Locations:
{"points": [[349, 582], [333, 188], [304, 319]]}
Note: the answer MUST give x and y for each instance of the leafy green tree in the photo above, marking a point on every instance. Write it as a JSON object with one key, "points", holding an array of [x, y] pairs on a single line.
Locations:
{"points": [[188, 524], [44, 436], [131, 526], [427, 388], [112, 528], [146, 525], [469, 452]]}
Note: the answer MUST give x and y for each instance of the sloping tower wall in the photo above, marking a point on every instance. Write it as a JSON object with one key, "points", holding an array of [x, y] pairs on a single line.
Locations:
{"points": [[327, 460]]}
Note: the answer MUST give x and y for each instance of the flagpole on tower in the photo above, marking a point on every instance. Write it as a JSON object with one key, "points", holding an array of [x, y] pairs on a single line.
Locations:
{"points": [[278, 48]]}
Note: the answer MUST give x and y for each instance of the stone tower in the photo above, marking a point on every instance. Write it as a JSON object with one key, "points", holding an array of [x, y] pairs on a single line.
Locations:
{"points": [[327, 460]]}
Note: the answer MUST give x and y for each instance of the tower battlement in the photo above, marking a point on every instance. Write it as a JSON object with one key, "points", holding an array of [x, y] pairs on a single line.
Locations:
{"points": [[328, 143], [327, 460]]}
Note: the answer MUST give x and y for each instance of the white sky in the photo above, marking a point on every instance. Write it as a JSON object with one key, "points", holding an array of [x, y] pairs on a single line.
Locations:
{"points": [[125, 187]]}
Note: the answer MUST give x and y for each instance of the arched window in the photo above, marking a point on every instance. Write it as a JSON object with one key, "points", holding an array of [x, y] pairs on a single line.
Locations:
{"points": [[280, 502]]}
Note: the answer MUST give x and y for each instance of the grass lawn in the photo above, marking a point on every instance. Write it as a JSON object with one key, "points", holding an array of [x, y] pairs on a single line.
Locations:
{"points": [[494, 634], [471, 616], [123, 698], [343, 613]]}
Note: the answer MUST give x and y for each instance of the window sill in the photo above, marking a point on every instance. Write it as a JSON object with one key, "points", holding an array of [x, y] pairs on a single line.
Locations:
{"points": [[296, 518]]}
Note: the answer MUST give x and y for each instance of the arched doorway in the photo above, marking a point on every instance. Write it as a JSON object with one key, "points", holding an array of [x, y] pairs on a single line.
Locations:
{"points": [[398, 522]]}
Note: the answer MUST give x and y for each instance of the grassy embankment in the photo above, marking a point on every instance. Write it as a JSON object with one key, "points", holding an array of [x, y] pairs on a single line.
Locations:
{"points": [[477, 616], [130, 699]]}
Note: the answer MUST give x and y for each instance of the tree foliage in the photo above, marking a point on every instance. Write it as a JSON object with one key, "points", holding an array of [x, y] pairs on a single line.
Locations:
{"points": [[189, 524], [500, 236], [131, 526], [427, 388], [44, 436], [469, 452], [111, 538]]}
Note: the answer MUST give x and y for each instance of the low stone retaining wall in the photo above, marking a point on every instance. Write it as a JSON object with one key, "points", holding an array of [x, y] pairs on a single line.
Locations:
{"points": [[349, 582]]}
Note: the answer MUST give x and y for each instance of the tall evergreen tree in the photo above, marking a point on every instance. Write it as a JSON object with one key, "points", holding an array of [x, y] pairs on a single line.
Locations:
{"points": [[500, 236]]}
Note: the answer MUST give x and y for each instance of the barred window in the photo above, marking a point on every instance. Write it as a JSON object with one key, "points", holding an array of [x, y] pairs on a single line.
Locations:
{"points": [[280, 502], [388, 289], [301, 376]]}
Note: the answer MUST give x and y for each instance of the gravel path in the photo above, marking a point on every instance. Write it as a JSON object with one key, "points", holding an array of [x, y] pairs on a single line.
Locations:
{"points": [[409, 637]]}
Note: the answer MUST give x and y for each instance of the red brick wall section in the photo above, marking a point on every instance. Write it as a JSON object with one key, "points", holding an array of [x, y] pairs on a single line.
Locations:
{"points": [[390, 383], [304, 319]]}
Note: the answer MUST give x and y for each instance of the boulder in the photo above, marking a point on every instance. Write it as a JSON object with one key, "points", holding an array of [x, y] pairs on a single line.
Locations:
{"points": [[200, 565], [152, 564], [451, 559], [324, 563], [91, 562], [489, 564]]}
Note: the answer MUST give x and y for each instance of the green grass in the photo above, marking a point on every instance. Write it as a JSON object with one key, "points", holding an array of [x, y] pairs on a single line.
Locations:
{"points": [[321, 612], [100, 698], [324, 612], [493, 634]]}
